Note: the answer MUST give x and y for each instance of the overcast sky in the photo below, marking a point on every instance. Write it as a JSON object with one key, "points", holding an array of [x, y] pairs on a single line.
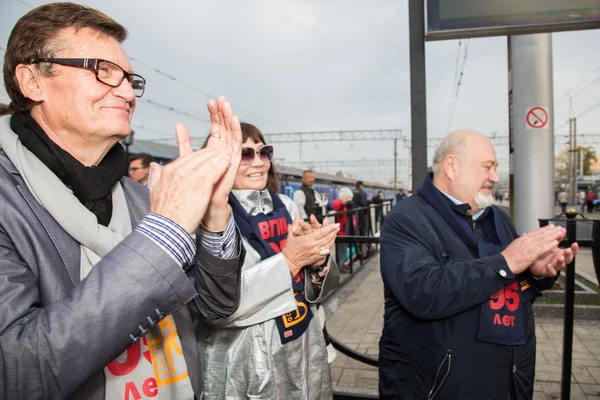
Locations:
{"points": [[313, 65]]}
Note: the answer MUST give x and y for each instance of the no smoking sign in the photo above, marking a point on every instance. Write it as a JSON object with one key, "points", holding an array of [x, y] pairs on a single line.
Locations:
{"points": [[537, 118]]}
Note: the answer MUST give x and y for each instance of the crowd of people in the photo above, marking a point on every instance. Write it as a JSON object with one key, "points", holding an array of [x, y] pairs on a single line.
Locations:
{"points": [[198, 280], [589, 201]]}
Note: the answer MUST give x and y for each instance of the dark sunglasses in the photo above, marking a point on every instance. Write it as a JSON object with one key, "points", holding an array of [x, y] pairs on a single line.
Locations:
{"points": [[264, 152]]}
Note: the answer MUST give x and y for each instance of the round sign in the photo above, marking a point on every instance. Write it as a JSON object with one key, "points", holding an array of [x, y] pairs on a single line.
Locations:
{"points": [[537, 117]]}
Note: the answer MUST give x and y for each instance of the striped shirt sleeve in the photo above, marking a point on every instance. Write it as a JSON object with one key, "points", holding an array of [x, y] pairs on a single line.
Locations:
{"points": [[169, 236], [223, 245]]}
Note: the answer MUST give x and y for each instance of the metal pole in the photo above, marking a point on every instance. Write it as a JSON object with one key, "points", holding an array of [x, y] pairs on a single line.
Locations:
{"points": [[574, 198], [569, 315], [395, 165], [533, 129], [580, 152], [571, 161], [418, 134], [511, 150]]}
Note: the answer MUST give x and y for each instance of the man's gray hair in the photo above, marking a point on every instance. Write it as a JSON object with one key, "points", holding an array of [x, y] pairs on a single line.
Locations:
{"points": [[451, 144]]}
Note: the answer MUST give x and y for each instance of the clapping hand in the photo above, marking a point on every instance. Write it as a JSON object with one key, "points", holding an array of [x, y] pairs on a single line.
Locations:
{"points": [[556, 261], [183, 189]]}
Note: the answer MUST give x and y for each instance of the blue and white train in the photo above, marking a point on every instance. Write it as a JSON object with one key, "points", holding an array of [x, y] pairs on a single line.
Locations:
{"points": [[290, 179]]}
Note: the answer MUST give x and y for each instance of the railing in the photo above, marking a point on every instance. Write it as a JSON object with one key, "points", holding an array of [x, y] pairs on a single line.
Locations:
{"points": [[362, 225], [368, 219]]}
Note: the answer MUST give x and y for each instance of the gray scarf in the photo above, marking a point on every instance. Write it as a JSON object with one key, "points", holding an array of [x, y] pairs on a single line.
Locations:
{"points": [[81, 224], [96, 241]]}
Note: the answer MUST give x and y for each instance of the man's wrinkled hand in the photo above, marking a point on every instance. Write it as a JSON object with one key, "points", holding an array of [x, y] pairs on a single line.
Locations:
{"points": [[182, 189], [550, 265]]}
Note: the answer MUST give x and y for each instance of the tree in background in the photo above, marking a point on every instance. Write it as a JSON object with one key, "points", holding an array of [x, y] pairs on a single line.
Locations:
{"points": [[561, 163]]}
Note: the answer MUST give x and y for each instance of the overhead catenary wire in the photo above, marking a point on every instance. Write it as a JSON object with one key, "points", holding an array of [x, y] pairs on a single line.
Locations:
{"points": [[460, 77], [580, 115], [454, 82], [24, 3], [173, 109], [569, 95], [141, 127], [589, 109], [198, 90]]}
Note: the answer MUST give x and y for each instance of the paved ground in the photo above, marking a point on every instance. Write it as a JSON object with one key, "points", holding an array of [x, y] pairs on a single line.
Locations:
{"points": [[356, 319]]}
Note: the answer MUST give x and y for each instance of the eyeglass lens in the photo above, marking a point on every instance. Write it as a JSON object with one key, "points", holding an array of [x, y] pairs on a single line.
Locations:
{"points": [[112, 75], [248, 154]]}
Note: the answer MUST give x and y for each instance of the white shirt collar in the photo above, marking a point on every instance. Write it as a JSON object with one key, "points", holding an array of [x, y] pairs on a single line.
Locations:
{"points": [[458, 202]]}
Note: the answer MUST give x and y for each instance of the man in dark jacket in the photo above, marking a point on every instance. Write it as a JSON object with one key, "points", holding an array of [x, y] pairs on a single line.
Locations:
{"points": [[377, 201], [400, 196], [361, 199], [459, 285]]}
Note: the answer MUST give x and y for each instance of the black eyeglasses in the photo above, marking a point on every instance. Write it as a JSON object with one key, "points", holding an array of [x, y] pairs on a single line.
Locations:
{"points": [[264, 152], [106, 72]]}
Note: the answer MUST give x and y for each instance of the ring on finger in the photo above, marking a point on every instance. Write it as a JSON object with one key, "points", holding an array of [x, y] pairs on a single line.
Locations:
{"points": [[323, 251]]}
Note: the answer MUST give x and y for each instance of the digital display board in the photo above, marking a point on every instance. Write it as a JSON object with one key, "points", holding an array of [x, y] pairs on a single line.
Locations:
{"points": [[455, 19]]}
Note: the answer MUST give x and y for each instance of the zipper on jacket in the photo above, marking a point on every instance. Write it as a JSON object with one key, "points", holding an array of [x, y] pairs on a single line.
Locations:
{"points": [[434, 390]]}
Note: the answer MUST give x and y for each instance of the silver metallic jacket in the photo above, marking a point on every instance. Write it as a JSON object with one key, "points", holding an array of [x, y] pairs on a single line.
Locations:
{"points": [[242, 355]]}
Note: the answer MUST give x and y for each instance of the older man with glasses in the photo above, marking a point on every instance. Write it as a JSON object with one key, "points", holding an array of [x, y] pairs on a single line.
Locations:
{"points": [[101, 283]]}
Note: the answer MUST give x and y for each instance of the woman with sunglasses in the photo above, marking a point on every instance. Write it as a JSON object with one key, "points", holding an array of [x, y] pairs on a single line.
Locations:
{"points": [[273, 346]]}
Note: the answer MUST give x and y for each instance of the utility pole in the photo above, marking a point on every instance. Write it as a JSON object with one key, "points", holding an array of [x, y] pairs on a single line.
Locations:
{"points": [[581, 169], [395, 164], [573, 161], [410, 171], [574, 198], [532, 129]]}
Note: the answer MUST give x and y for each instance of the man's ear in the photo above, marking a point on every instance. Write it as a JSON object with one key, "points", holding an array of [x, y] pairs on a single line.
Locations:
{"points": [[29, 83], [451, 167]]}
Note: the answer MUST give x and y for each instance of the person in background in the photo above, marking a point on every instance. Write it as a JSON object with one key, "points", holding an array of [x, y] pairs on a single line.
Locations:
{"points": [[589, 201], [582, 200], [563, 200], [361, 199], [400, 196], [309, 201], [377, 200], [139, 167], [341, 205], [273, 346]]}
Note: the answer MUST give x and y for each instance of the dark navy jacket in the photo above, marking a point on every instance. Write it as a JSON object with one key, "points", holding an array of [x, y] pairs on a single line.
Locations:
{"points": [[433, 287]]}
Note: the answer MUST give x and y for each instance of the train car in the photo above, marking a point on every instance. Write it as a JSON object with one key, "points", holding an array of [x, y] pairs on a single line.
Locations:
{"points": [[289, 178], [328, 185]]}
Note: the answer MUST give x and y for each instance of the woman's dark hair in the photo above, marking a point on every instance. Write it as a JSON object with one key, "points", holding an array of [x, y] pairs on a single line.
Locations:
{"points": [[250, 131]]}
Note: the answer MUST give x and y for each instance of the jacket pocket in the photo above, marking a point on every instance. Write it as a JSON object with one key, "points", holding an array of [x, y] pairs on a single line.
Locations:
{"points": [[441, 375]]}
